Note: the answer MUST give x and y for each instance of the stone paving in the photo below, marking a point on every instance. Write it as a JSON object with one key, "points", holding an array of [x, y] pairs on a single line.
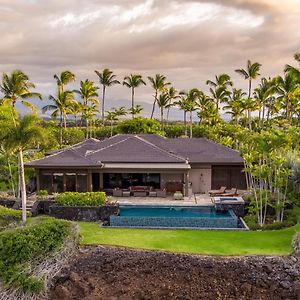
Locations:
{"points": [[196, 199]]}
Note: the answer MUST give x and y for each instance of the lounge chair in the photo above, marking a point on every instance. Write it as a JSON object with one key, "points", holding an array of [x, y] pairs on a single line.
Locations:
{"points": [[230, 193], [219, 192]]}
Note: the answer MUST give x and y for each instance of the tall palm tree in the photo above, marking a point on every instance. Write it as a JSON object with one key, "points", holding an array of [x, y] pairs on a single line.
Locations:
{"points": [[19, 135], [60, 107], [89, 113], [202, 103], [159, 84], [183, 105], [263, 93], [288, 90], [220, 80], [63, 79], [88, 93], [133, 81], [173, 95], [192, 97], [235, 105], [136, 110], [163, 102], [17, 87], [250, 73], [106, 78], [220, 94]]}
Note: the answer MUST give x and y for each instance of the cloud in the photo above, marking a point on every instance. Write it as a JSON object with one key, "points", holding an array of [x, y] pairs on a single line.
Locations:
{"points": [[187, 40]]}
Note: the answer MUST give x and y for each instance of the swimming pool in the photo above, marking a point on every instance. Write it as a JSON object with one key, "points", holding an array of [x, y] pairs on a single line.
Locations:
{"points": [[174, 217]]}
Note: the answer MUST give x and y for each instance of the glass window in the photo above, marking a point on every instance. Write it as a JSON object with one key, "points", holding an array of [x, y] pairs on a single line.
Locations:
{"points": [[58, 182], [81, 182], [46, 181], [70, 182]]}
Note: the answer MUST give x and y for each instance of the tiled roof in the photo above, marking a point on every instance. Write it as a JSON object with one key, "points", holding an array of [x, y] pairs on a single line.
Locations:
{"points": [[143, 148]]}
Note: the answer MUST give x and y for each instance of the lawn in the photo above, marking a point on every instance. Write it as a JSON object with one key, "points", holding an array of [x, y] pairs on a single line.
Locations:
{"points": [[192, 241]]}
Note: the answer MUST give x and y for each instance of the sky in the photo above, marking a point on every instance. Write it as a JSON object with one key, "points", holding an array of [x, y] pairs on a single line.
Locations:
{"points": [[187, 41]]}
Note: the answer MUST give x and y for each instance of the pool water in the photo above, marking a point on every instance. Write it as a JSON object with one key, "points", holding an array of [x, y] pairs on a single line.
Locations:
{"points": [[173, 212], [142, 216]]}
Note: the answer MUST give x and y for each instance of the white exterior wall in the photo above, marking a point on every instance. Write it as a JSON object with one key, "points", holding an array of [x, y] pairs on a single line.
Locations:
{"points": [[200, 179]]}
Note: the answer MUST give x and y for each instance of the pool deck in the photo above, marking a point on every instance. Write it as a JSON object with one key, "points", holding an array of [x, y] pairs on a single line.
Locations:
{"points": [[197, 200]]}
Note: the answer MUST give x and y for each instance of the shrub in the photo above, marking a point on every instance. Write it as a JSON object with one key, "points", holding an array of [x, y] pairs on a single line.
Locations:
{"points": [[80, 199], [296, 243], [103, 132], [42, 193], [8, 216], [174, 131], [140, 125], [20, 246], [72, 136]]}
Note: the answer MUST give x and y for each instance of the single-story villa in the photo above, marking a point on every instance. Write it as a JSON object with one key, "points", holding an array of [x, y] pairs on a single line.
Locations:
{"points": [[125, 160]]}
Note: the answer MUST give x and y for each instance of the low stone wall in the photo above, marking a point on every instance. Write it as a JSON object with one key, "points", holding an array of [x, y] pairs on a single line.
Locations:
{"points": [[42, 207], [7, 202], [296, 244], [83, 213]]}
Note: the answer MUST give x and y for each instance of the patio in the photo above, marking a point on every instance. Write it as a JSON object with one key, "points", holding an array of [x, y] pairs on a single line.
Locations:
{"points": [[197, 199]]}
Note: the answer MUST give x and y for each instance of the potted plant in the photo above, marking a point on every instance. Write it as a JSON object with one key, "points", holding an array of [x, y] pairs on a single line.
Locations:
{"points": [[178, 195]]}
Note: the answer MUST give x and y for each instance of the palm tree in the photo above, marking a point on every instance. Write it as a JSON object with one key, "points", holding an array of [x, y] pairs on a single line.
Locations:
{"points": [[250, 73], [61, 108], [202, 103], [210, 115], [172, 93], [17, 87], [235, 106], [192, 96], [88, 93], [64, 78], [263, 93], [136, 110], [221, 80], [89, 113], [163, 102], [159, 85], [20, 135], [183, 105], [219, 95], [133, 81], [111, 116], [106, 78], [120, 111], [288, 90]]}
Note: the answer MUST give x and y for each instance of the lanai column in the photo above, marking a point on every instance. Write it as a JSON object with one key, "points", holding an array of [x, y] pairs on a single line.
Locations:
{"points": [[186, 183], [89, 181]]}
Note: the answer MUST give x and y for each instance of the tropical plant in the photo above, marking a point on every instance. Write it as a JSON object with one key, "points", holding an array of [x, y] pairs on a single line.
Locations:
{"points": [[106, 78], [163, 102], [18, 87], [250, 73], [173, 95], [63, 79], [19, 135], [159, 84], [136, 110], [88, 93], [133, 81]]}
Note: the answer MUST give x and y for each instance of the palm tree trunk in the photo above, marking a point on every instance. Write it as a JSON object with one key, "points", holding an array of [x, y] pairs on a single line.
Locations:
{"points": [[22, 184], [11, 177], [250, 85], [184, 121], [162, 118], [191, 124], [61, 131], [154, 103], [111, 128], [87, 128], [132, 101], [103, 99]]}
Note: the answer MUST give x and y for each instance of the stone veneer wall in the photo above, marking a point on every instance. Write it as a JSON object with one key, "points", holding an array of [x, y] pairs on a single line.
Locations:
{"points": [[83, 213], [238, 208]]}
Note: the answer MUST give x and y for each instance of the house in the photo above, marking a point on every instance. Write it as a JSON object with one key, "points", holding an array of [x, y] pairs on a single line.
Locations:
{"points": [[127, 160]]}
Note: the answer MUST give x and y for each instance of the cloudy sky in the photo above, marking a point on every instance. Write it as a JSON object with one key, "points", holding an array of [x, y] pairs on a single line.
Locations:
{"points": [[188, 41]]}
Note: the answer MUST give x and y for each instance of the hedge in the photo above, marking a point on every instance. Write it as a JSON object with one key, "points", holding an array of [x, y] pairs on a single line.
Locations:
{"points": [[20, 246], [80, 199], [8, 216]]}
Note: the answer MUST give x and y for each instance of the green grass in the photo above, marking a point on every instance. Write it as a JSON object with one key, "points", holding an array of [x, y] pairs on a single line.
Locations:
{"points": [[192, 241]]}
